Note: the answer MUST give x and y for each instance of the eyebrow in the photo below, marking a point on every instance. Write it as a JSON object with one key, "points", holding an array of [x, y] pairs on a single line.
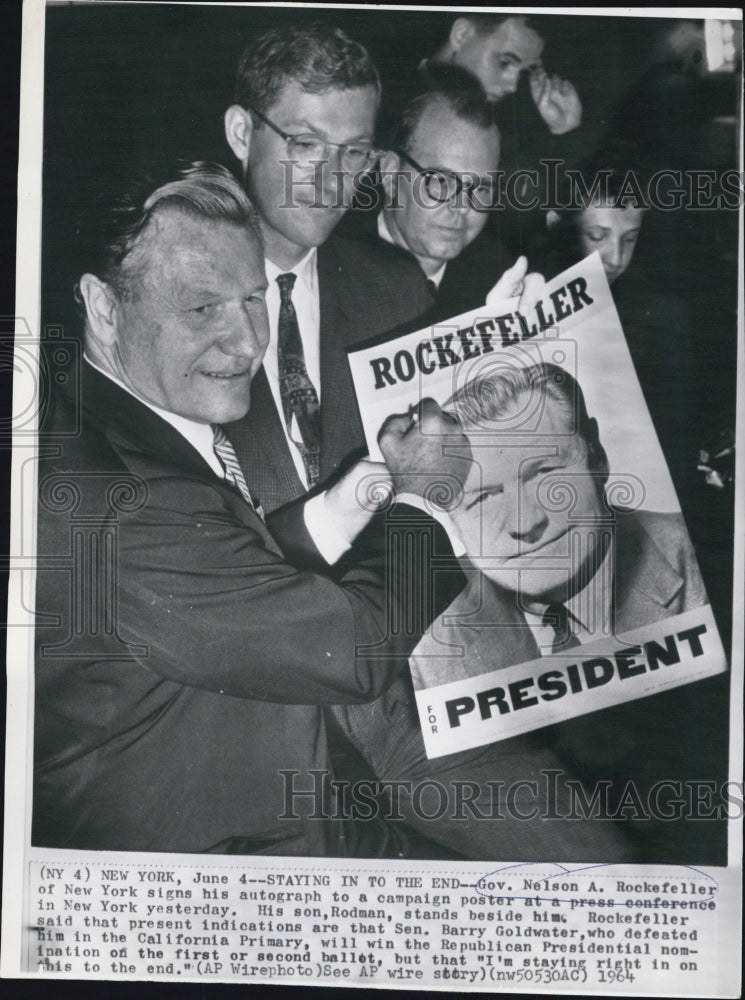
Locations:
{"points": [[311, 129]]}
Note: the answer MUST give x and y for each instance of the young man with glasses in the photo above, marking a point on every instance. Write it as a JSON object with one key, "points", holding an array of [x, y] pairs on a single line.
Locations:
{"points": [[302, 127]]}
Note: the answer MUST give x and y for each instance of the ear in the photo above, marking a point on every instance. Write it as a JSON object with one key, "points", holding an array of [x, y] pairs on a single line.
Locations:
{"points": [[461, 32], [100, 308], [238, 131], [389, 165]]}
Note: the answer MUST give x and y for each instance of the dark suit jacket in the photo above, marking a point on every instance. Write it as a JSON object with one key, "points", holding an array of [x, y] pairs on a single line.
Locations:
{"points": [[468, 278], [181, 659], [364, 292]]}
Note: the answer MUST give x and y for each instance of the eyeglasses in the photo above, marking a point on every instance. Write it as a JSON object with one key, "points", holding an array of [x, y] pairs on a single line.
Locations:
{"points": [[442, 186], [309, 149]]}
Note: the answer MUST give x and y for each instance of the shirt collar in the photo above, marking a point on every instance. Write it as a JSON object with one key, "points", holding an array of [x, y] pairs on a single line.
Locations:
{"points": [[305, 271], [590, 607], [200, 436]]}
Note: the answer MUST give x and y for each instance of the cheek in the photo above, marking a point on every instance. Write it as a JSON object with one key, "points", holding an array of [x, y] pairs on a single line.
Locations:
{"points": [[589, 246]]}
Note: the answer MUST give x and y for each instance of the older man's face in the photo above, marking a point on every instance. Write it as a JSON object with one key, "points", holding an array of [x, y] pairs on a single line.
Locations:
{"points": [[498, 59], [437, 232], [192, 331], [531, 510]]}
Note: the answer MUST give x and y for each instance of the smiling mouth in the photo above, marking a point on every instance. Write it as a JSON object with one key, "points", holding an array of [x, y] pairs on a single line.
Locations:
{"points": [[225, 376], [526, 553]]}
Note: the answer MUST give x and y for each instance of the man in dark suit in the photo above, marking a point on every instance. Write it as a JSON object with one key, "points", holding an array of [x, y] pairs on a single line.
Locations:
{"points": [[438, 181], [302, 127], [182, 658], [438, 185], [551, 579]]}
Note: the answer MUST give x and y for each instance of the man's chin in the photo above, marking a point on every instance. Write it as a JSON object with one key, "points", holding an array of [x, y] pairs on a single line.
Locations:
{"points": [[535, 585], [227, 411], [318, 226]]}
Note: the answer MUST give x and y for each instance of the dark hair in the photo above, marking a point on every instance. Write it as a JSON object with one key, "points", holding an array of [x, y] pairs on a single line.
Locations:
{"points": [[487, 398], [452, 87], [108, 232], [615, 175], [316, 56], [485, 24]]}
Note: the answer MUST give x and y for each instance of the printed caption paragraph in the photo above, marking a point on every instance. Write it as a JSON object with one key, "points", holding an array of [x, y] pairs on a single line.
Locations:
{"points": [[595, 927]]}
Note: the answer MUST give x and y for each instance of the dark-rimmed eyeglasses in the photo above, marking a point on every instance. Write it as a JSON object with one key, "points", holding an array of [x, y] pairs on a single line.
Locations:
{"points": [[309, 149], [442, 186]]}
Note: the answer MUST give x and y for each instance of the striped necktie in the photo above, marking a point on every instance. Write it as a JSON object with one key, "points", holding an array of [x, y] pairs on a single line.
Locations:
{"points": [[233, 471]]}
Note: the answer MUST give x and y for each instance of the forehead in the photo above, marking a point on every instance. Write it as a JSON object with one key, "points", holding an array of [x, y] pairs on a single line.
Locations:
{"points": [[178, 247], [514, 37], [616, 219], [506, 442], [442, 139], [337, 114]]}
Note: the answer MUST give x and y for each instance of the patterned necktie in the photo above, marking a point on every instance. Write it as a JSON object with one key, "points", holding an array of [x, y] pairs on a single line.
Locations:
{"points": [[299, 397], [233, 471], [558, 617]]}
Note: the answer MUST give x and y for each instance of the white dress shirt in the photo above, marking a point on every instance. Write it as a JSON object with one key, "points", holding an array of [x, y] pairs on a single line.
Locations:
{"points": [[305, 298], [589, 611]]}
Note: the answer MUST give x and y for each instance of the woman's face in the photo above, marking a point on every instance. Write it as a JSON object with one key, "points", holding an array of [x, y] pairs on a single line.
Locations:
{"points": [[613, 232]]}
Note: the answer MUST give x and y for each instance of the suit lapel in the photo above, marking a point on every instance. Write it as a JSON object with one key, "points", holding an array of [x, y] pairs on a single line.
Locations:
{"points": [[260, 444], [341, 427], [149, 447], [645, 583]]}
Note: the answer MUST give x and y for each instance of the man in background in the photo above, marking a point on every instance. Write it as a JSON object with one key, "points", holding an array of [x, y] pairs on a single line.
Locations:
{"points": [[302, 128]]}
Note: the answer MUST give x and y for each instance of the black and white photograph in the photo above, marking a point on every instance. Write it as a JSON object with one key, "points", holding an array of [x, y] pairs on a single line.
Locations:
{"points": [[375, 604]]}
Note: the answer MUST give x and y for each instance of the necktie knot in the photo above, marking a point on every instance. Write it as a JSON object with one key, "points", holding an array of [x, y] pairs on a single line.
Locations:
{"points": [[286, 283], [557, 615]]}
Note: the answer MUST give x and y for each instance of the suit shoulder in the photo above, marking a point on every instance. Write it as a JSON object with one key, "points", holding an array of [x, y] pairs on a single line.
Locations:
{"points": [[666, 532], [665, 528], [373, 259]]}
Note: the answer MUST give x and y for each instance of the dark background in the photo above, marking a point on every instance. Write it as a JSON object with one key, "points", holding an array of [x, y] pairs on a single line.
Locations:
{"points": [[124, 81]]}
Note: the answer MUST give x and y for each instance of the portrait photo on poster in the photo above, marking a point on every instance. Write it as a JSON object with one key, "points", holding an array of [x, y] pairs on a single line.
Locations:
{"points": [[375, 610]]}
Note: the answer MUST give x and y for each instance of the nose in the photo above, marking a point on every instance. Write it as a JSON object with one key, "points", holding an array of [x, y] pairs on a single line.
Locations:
{"points": [[247, 335], [528, 519], [613, 256], [510, 80]]}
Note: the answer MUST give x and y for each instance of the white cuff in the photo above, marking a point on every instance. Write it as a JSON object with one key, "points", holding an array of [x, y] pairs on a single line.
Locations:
{"points": [[330, 542]]}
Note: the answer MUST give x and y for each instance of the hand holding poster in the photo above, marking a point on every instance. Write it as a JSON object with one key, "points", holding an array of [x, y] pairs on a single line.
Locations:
{"points": [[583, 589]]}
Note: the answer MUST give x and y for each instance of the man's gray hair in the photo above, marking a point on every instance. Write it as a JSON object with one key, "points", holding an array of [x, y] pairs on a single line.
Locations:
{"points": [[109, 232]]}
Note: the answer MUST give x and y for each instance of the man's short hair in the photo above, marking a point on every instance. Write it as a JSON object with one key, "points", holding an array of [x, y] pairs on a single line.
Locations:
{"points": [[316, 56], [487, 398], [451, 87], [109, 230], [485, 24]]}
